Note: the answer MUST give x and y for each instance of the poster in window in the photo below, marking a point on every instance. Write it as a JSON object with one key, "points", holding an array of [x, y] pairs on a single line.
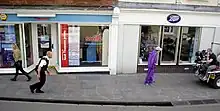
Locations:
{"points": [[64, 45], [45, 41], [74, 46]]}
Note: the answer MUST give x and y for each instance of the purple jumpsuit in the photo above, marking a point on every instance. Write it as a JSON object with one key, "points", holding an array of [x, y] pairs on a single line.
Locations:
{"points": [[152, 58]]}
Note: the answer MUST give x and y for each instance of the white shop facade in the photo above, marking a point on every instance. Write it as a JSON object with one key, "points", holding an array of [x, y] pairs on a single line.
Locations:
{"points": [[179, 33]]}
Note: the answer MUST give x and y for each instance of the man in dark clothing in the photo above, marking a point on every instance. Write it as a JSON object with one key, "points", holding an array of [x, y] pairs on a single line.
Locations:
{"points": [[211, 62], [41, 73]]}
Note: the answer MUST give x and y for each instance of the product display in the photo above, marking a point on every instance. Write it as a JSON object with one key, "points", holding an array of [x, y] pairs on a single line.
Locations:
{"points": [[8, 37]]}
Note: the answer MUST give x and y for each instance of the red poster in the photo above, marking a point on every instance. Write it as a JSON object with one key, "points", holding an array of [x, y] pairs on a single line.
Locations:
{"points": [[64, 45]]}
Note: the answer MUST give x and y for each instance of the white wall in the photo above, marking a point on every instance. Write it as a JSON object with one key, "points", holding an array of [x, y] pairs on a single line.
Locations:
{"points": [[120, 48], [207, 35], [128, 48], [188, 2], [159, 17]]}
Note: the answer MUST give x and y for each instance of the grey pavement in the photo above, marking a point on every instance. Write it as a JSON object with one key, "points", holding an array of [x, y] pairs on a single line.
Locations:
{"points": [[127, 87], [26, 106]]}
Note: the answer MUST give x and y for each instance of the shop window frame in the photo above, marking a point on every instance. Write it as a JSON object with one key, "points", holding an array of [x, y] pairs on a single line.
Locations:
{"points": [[180, 47], [80, 24], [158, 44]]}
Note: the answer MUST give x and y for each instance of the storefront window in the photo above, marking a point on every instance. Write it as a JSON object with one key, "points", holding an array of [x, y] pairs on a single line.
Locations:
{"points": [[83, 45], [189, 44], [9, 34], [170, 44], [149, 37], [28, 44]]}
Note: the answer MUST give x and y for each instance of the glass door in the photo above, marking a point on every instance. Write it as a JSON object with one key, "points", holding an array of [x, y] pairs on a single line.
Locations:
{"points": [[189, 44], [28, 44], [44, 39], [170, 43]]}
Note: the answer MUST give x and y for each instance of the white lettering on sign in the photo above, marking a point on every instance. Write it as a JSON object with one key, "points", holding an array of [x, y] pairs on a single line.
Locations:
{"points": [[174, 18], [64, 45]]}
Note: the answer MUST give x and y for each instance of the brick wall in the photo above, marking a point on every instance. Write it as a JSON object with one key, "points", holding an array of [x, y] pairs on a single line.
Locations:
{"points": [[59, 2]]}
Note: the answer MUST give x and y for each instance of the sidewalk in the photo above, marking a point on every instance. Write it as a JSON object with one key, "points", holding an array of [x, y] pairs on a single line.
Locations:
{"points": [[129, 88]]}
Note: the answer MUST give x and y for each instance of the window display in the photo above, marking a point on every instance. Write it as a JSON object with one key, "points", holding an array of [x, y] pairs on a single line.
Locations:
{"points": [[189, 42], [83, 45], [9, 34], [179, 43], [149, 36]]}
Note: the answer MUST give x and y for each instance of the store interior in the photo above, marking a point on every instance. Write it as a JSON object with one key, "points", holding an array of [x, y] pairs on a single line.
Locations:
{"points": [[179, 44]]}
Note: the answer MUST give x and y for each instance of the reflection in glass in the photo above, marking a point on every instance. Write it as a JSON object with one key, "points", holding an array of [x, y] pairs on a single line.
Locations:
{"points": [[28, 44], [149, 36], [189, 44], [44, 38], [170, 39], [9, 34]]}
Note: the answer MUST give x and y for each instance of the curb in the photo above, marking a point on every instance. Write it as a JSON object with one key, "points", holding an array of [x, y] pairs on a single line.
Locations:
{"points": [[168, 104], [118, 103]]}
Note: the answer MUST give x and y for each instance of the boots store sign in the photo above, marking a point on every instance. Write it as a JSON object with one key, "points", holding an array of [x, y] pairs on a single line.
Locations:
{"points": [[173, 18]]}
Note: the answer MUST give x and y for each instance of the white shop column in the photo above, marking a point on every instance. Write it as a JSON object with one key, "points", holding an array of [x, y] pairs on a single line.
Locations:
{"points": [[113, 41]]}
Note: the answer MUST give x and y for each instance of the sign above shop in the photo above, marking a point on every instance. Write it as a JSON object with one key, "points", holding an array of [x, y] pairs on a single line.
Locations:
{"points": [[173, 18], [3, 17]]}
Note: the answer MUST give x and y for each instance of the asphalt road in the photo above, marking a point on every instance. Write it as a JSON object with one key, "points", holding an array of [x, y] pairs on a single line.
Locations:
{"points": [[27, 106]]}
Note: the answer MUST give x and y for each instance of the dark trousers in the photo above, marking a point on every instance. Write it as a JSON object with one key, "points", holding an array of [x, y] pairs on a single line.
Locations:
{"points": [[40, 84], [18, 66]]}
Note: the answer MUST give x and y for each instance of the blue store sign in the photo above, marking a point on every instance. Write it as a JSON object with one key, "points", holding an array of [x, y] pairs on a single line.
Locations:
{"points": [[173, 18], [58, 18]]}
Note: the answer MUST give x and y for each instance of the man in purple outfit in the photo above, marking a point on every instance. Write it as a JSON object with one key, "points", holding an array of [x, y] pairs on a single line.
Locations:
{"points": [[152, 60]]}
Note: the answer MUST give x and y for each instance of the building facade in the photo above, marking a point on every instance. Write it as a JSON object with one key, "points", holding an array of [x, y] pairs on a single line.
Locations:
{"points": [[81, 37], [179, 27], [107, 35]]}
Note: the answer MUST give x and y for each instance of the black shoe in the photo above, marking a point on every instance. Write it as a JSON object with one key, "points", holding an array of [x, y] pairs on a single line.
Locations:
{"points": [[29, 78], [31, 89], [13, 79], [39, 91]]}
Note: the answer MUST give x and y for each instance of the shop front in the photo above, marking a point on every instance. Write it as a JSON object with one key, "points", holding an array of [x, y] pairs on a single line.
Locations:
{"points": [[179, 33], [79, 40]]}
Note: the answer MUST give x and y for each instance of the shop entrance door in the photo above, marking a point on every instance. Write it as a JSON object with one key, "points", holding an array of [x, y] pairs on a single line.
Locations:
{"points": [[169, 43], [44, 39]]}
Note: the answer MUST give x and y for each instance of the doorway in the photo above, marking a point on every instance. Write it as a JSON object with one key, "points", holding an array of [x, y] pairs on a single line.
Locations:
{"points": [[179, 45], [46, 39]]}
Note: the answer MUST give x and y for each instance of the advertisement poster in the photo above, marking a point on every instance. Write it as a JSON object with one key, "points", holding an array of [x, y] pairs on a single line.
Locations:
{"points": [[64, 45], [45, 41], [74, 46]]}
